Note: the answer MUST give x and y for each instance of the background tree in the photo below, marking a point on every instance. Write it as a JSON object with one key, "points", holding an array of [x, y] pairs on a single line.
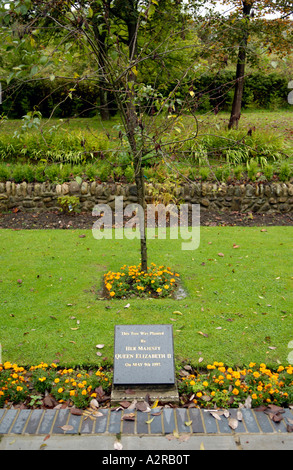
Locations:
{"points": [[247, 18]]}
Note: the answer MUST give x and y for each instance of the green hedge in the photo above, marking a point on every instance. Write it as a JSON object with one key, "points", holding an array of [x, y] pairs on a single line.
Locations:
{"points": [[263, 91]]}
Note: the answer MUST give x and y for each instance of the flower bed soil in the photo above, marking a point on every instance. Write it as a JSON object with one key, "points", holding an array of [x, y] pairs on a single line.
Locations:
{"points": [[57, 220]]}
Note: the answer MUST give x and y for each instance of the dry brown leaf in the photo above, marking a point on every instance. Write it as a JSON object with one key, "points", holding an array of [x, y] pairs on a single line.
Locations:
{"points": [[203, 334], [216, 415], [239, 415], [233, 423], [66, 427], [94, 404], [128, 417]]}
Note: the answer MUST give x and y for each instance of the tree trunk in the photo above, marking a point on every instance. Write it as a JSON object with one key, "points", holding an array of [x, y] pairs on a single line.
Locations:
{"points": [[240, 71], [132, 128], [101, 41]]}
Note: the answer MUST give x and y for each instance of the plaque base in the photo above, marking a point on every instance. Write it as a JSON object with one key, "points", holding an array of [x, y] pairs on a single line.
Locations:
{"points": [[163, 393]]}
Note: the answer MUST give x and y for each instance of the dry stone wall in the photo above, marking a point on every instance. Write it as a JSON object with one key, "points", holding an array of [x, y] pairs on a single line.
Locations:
{"points": [[254, 197]]}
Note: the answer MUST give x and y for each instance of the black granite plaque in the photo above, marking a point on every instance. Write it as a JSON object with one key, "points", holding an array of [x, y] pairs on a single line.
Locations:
{"points": [[143, 355]]}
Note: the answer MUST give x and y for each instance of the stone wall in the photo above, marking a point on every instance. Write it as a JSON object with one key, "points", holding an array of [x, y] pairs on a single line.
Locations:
{"points": [[254, 197]]}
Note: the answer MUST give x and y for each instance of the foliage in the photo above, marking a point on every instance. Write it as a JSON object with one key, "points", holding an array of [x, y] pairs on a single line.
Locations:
{"points": [[217, 386], [225, 387], [68, 203], [158, 281], [73, 386]]}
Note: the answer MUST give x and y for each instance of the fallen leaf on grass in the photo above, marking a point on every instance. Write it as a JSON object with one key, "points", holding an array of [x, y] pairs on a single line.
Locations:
{"points": [[221, 254], [203, 334], [100, 346]]}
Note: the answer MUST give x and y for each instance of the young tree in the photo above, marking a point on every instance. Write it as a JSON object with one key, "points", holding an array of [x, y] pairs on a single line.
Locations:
{"points": [[116, 34]]}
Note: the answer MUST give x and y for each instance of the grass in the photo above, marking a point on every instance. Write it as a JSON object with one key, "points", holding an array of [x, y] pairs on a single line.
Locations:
{"points": [[238, 308]]}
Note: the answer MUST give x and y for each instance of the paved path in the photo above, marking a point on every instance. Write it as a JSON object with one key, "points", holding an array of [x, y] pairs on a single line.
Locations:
{"points": [[174, 429]]}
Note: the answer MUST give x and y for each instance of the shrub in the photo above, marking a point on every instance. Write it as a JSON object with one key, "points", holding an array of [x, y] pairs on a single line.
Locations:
{"points": [[18, 173], [238, 172], [268, 171], [285, 172], [129, 173], [4, 172], [252, 169], [68, 203], [204, 173]]}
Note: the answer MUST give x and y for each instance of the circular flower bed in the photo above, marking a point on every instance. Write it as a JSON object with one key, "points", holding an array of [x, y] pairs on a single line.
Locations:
{"points": [[158, 281]]}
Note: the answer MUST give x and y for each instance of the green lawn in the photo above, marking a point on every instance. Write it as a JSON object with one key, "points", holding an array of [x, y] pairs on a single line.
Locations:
{"points": [[242, 301]]}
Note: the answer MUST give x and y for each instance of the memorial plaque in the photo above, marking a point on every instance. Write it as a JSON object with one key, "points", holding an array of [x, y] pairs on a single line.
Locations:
{"points": [[143, 355]]}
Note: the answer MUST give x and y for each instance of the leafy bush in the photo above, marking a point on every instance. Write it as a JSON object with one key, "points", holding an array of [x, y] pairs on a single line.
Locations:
{"points": [[285, 172], [268, 172], [4, 172], [68, 203], [204, 173]]}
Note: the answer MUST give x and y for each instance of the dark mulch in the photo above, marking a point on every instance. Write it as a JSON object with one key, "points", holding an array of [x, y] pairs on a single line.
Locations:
{"points": [[56, 220]]}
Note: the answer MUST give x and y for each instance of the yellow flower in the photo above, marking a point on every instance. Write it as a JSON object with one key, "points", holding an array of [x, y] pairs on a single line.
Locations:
{"points": [[41, 379], [166, 286], [112, 293], [60, 390], [159, 290], [56, 381], [192, 382], [235, 391], [18, 388], [108, 286], [72, 393], [205, 383], [199, 394], [83, 392], [254, 396]]}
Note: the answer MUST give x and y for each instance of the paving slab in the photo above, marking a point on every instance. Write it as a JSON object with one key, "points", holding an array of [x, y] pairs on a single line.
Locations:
{"points": [[170, 429]]}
